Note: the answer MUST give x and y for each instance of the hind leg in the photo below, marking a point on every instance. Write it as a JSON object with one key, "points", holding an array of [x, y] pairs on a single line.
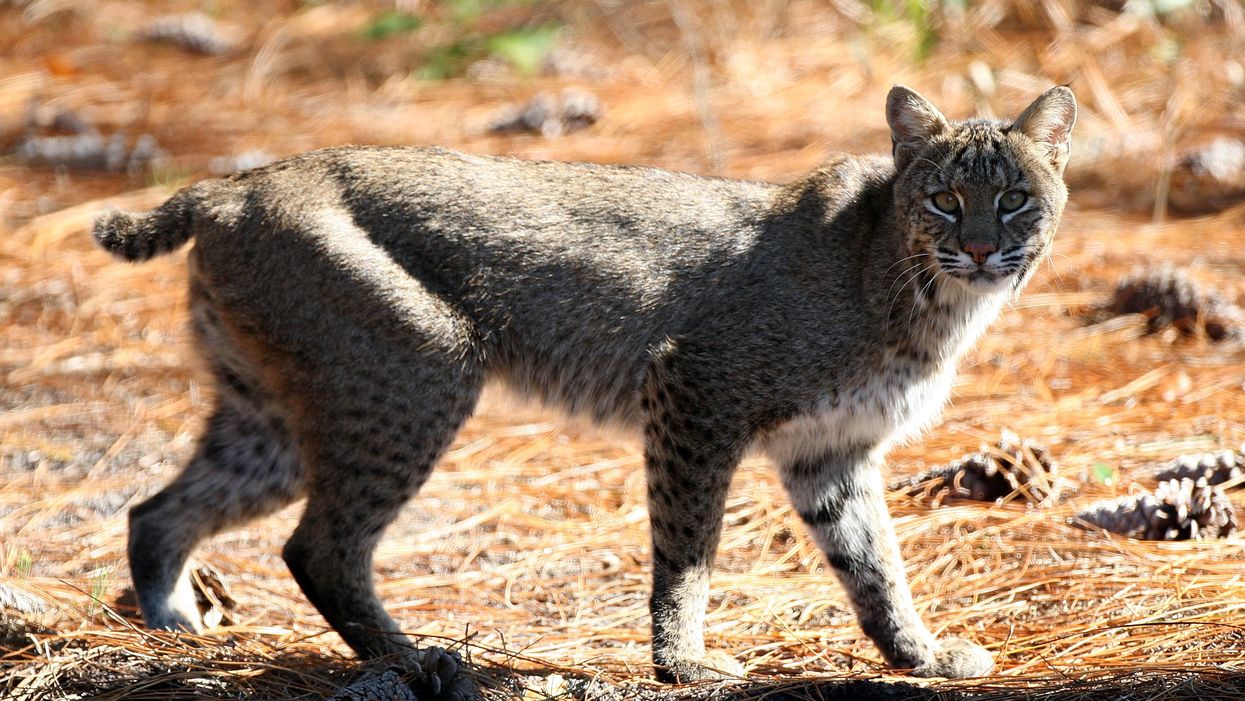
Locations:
{"points": [[243, 468], [368, 454]]}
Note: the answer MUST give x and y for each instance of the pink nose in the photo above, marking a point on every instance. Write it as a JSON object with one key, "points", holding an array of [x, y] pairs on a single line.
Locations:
{"points": [[979, 251]]}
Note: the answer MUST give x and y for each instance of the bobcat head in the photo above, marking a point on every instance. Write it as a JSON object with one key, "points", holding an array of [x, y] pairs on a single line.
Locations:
{"points": [[980, 199]]}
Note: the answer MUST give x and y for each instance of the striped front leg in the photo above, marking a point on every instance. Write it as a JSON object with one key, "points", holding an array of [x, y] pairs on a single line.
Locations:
{"points": [[840, 497]]}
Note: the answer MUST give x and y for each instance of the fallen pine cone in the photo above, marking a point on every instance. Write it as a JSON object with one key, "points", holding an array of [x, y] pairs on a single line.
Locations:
{"points": [[1216, 468], [19, 611], [1168, 297], [1177, 510], [571, 111], [1010, 468], [212, 595], [194, 32], [91, 151], [14, 599], [1209, 178]]}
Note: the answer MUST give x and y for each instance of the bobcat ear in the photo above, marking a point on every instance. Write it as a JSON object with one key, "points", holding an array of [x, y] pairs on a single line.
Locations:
{"points": [[1049, 121], [913, 121]]}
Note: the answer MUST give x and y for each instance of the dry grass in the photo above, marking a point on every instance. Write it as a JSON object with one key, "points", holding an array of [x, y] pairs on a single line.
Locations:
{"points": [[528, 548]]}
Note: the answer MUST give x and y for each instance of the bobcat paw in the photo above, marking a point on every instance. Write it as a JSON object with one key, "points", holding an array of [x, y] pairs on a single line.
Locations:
{"points": [[439, 676], [175, 621], [957, 658], [714, 665], [176, 610]]}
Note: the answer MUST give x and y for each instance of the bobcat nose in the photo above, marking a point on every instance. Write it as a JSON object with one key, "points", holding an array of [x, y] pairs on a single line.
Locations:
{"points": [[979, 251]]}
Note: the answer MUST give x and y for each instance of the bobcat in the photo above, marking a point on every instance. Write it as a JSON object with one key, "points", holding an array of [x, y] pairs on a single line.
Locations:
{"points": [[351, 303]]}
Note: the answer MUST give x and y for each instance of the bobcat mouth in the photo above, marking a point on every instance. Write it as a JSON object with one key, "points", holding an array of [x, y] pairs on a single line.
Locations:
{"points": [[999, 269], [983, 281], [982, 276]]}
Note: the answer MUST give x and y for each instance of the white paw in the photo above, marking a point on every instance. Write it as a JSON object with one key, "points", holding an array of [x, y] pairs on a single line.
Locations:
{"points": [[956, 658], [714, 665], [179, 611], [174, 615]]}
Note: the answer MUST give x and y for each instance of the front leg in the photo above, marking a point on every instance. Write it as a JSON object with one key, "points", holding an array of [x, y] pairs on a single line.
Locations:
{"points": [[689, 462], [840, 497]]}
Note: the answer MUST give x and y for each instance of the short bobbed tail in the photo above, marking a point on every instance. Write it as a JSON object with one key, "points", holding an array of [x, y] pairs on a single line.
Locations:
{"points": [[140, 236]]}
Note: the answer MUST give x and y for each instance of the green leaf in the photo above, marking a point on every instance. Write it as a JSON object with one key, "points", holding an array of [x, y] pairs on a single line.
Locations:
{"points": [[525, 48], [449, 60], [387, 24], [25, 564], [1102, 473], [470, 11]]}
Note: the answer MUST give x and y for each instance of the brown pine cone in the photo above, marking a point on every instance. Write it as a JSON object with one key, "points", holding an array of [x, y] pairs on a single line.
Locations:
{"points": [[1215, 468], [1209, 178], [19, 611], [550, 117], [194, 32], [1011, 467], [1168, 297], [17, 600], [212, 595], [1181, 509]]}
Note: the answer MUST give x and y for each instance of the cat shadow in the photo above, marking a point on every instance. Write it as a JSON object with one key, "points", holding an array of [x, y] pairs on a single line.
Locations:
{"points": [[225, 671]]}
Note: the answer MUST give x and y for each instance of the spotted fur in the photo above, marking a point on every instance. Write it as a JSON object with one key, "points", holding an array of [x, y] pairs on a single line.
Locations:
{"points": [[352, 302]]}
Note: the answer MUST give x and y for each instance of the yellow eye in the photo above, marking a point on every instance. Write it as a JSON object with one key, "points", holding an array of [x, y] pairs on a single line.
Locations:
{"points": [[1012, 200], [946, 201]]}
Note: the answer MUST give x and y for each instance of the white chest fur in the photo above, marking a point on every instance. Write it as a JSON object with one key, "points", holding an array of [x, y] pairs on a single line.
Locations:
{"points": [[886, 407], [899, 399]]}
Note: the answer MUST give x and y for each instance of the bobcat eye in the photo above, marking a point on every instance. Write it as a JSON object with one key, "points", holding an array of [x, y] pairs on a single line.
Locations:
{"points": [[946, 201], [1012, 200]]}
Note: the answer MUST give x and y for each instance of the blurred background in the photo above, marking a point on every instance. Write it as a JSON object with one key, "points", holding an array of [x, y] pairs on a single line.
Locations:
{"points": [[528, 548], [165, 91]]}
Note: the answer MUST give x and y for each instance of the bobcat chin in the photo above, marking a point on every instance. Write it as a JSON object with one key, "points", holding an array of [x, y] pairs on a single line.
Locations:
{"points": [[352, 302]]}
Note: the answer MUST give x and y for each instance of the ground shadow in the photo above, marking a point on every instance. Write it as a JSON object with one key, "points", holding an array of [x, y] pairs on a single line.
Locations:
{"points": [[1170, 685], [112, 669]]}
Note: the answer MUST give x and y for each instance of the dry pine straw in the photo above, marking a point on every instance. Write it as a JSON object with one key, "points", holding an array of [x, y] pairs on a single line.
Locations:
{"points": [[529, 543]]}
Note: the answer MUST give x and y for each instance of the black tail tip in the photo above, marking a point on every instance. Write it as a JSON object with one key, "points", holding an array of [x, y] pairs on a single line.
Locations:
{"points": [[115, 232], [111, 228]]}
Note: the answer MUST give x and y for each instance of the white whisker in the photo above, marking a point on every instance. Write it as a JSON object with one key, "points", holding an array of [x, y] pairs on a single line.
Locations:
{"points": [[892, 265], [916, 276], [921, 294]]}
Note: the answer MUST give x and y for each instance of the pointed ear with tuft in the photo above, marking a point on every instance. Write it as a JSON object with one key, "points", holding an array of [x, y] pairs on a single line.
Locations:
{"points": [[913, 121], [1049, 121]]}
